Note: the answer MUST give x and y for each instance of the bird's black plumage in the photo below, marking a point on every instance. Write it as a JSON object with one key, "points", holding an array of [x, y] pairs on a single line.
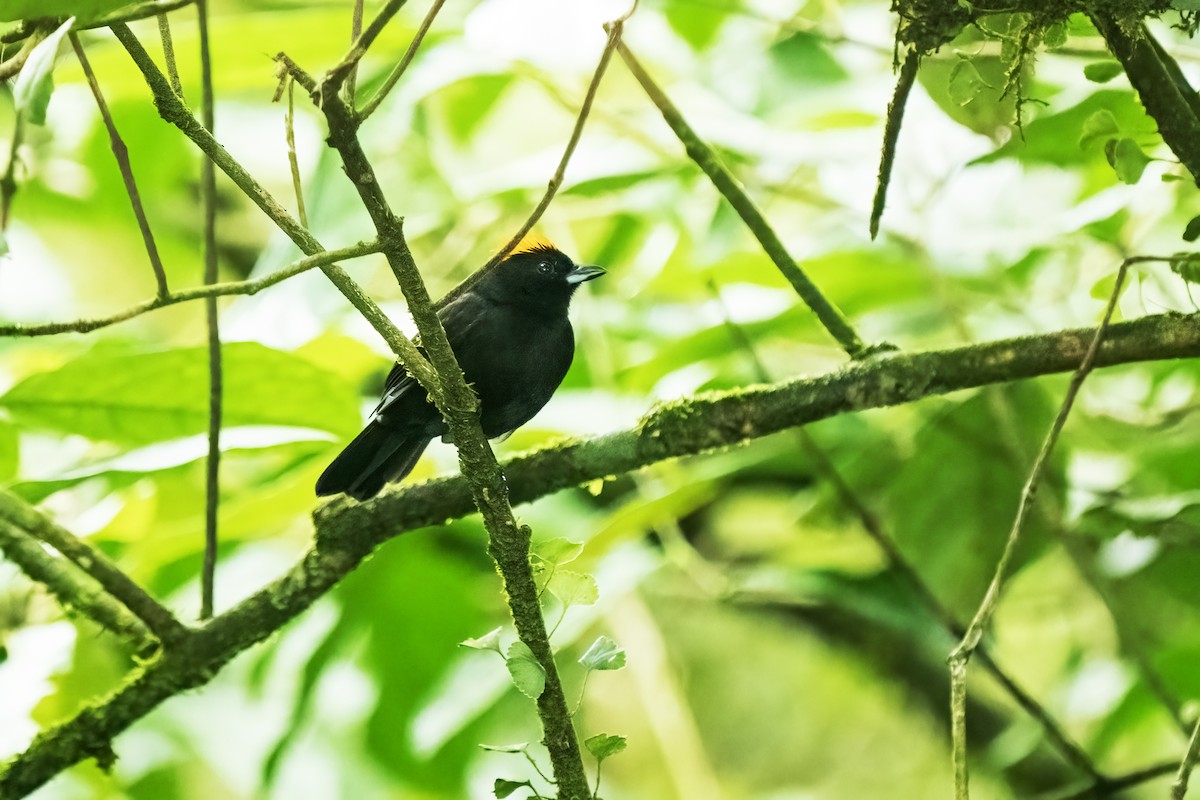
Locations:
{"points": [[511, 336]]}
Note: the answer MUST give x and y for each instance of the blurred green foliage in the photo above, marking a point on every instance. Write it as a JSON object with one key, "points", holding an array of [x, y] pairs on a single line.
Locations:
{"points": [[771, 651]]}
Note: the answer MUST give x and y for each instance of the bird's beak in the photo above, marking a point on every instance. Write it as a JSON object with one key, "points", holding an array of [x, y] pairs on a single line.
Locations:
{"points": [[581, 274]]}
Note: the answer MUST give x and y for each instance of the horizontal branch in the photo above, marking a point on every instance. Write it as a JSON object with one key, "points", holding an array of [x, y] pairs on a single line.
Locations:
{"points": [[229, 288], [346, 532]]}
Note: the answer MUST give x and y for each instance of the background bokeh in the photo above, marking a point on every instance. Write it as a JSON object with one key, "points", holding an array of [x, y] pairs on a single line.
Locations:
{"points": [[772, 654]]}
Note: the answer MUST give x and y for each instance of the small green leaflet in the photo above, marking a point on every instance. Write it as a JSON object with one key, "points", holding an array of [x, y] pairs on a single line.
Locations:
{"points": [[1100, 125], [603, 745], [573, 588], [1127, 159], [1186, 266], [604, 654], [527, 674], [489, 641], [31, 92], [1102, 71], [504, 787], [557, 551]]}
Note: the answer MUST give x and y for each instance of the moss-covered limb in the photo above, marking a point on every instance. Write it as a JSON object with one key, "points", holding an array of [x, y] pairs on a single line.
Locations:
{"points": [[508, 542], [172, 109], [348, 531], [829, 314], [715, 420], [119, 586], [1158, 87], [226, 289], [193, 662], [891, 135], [72, 590]]}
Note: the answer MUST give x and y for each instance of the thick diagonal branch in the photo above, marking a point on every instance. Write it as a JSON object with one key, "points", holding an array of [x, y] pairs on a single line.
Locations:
{"points": [[347, 532]]}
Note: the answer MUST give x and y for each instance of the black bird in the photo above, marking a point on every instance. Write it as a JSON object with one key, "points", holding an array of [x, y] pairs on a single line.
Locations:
{"points": [[512, 338]]}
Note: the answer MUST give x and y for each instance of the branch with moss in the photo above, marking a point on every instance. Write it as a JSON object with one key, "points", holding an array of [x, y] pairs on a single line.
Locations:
{"points": [[508, 542], [347, 532], [1160, 85]]}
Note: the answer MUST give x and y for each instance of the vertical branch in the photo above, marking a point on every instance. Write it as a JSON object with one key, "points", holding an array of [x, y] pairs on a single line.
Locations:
{"points": [[208, 193], [961, 656], [891, 135], [355, 32], [293, 160], [168, 47], [121, 153]]}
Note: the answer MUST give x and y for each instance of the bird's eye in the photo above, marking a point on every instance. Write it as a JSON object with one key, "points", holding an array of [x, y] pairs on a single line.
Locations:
{"points": [[545, 268]]}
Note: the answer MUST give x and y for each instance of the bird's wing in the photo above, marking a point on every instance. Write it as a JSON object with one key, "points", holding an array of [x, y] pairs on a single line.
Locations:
{"points": [[458, 317]]}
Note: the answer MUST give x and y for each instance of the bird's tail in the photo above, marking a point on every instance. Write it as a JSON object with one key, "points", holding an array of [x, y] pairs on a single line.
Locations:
{"points": [[375, 457]]}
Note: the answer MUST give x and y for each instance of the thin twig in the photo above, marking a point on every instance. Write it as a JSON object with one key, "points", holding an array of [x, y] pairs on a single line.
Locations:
{"points": [[72, 591], [208, 198], [371, 105], [13, 65], [157, 618], [1112, 787], [341, 71], [293, 160], [829, 315], [615, 29], [121, 153], [355, 31], [168, 48], [960, 658], [230, 288], [1180, 785], [891, 134], [173, 110]]}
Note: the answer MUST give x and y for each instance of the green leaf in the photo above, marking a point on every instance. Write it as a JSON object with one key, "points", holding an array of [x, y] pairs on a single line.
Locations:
{"points": [[32, 9], [9, 450], [1099, 126], [557, 551], [504, 787], [804, 58], [604, 654], [505, 748], [31, 92], [489, 641], [1185, 5], [696, 23], [467, 103], [1192, 231], [1102, 71], [603, 745], [965, 82], [1055, 35], [527, 674], [573, 588], [139, 398], [1127, 159], [1052, 138], [1186, 266]]}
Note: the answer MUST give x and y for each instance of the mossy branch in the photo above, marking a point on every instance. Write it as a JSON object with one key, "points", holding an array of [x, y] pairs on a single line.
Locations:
{"points": [[346, 532]]}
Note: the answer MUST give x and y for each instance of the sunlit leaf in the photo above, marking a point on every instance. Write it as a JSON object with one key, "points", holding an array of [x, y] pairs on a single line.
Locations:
{"points": [[527, 674], [1127, 159], [1102, 71], [573, 588], [489, 641], [35, 81], [504, 787], [603, 745], [139, 398], [557, 551], [603, 654]]}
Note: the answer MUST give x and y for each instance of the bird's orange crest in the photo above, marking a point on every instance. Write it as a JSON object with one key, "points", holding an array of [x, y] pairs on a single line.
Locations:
{"points": [[531, 242]]}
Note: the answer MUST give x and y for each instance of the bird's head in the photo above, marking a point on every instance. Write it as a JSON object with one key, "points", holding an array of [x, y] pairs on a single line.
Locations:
{"points": [[541, 275]]}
